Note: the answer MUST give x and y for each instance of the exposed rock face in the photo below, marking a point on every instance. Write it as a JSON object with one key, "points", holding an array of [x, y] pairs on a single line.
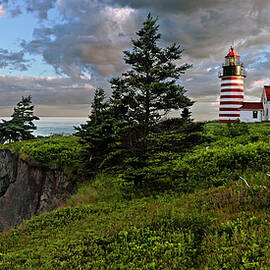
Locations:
{"points": [[28, 189]]}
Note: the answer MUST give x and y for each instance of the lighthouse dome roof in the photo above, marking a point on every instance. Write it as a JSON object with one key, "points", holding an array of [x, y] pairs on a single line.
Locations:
{"points": [[232, 53]]}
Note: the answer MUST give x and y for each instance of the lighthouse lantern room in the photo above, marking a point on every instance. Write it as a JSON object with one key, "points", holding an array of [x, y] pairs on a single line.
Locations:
{"points": [[232, 87]]}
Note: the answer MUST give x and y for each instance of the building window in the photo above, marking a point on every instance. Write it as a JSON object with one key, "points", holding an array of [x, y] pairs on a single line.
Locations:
{"points": [[255, 114]]}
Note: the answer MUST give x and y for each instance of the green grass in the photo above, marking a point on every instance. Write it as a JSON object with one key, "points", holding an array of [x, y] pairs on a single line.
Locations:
{"points": [[219, 224], [221, 228]]}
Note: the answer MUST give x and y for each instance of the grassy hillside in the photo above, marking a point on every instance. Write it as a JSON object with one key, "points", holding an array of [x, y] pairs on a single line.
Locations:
{"points": [[208, 218]]}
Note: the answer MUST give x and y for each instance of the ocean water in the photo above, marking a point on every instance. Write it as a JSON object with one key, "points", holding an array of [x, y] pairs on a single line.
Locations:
{"points": [[47, 126]]}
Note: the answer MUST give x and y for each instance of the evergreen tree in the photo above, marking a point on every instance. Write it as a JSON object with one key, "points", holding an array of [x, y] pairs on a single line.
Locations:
{"points": [[145, 94], [118, 128], [150, 90], [186, 114], [96, 134], [21, 125]]}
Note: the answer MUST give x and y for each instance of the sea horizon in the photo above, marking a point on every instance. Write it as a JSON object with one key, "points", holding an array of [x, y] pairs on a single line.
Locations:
{"points": [[48, 126]]}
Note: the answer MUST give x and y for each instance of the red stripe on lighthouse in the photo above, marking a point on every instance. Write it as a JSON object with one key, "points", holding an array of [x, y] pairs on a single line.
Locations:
{"points": [[232, 90], [232, 84], [228, 109], [232, 96], [231, 102], [229, 115]]}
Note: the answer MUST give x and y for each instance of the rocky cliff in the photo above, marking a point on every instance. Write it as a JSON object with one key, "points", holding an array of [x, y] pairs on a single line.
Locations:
{"points": [[28, 189]]}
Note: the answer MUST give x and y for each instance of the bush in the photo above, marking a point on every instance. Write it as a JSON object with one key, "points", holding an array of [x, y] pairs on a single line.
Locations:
{"points": [[215, 166], [61, 152]]}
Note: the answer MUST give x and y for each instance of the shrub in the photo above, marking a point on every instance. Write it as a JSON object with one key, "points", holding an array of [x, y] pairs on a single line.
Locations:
{"points": [[219, 165]]}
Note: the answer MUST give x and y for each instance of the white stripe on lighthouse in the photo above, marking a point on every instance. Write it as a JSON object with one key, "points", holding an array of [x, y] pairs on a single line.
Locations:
{"points": [[229, 112], [233, 106], [232, 81], [228, 118], [232, 93], [231, 99], [232, 87]]}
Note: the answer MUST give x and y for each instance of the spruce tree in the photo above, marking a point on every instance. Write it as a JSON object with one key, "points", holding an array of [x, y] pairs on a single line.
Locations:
{"points": [[118, 128], [150, 90], [21, 125], [146, 93], [96, 134], [186, 115]]}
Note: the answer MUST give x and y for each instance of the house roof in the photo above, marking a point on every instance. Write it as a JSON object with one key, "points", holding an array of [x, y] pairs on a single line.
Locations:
{"points": [[232, 53], [252, 106], [267, 91]]}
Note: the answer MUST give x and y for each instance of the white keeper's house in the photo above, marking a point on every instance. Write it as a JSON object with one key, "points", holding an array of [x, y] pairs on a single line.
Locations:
{"points": [[232, 105]]}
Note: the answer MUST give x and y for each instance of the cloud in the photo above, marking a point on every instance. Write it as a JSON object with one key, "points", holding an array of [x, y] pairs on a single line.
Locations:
{"points": [[93, 34], [171, 6], [44, 90], [191, 6], [89, 41], [40, 7], [2, 11], [13, 60]]}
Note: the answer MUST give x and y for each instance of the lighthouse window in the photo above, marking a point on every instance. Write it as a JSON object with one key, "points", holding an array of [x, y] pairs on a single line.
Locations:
{"points": [[255, 114]]}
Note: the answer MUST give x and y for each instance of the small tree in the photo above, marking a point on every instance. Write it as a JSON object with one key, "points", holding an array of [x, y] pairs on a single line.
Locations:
{"points": [[96, 134], [186, 115], [21, 125]]}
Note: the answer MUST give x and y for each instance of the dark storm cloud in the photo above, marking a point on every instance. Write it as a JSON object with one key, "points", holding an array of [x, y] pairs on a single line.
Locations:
{"points": [[171, 6], [190, 6]]}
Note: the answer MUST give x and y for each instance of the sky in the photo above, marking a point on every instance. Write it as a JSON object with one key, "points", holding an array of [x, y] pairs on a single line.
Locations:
{"points": [[59, 51]]}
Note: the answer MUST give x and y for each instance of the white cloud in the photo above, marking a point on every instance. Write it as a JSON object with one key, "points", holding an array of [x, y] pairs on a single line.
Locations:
{"points": [[2, 11], [44, 90]]}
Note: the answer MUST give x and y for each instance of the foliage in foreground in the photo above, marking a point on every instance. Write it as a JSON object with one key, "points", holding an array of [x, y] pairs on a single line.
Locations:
{"points": [[109, 226], [222, 228]]}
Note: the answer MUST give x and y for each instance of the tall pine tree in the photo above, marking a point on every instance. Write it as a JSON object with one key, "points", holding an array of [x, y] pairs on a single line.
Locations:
{"points": [[118, 128], [150, 89], [145, 94]]}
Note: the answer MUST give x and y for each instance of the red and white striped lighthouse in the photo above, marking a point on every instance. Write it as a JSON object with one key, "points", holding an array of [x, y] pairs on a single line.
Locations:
{"points": [[232, 87]]}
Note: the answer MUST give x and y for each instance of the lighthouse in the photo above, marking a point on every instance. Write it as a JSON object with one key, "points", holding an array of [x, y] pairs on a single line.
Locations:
{"points": [[232, 87]]}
